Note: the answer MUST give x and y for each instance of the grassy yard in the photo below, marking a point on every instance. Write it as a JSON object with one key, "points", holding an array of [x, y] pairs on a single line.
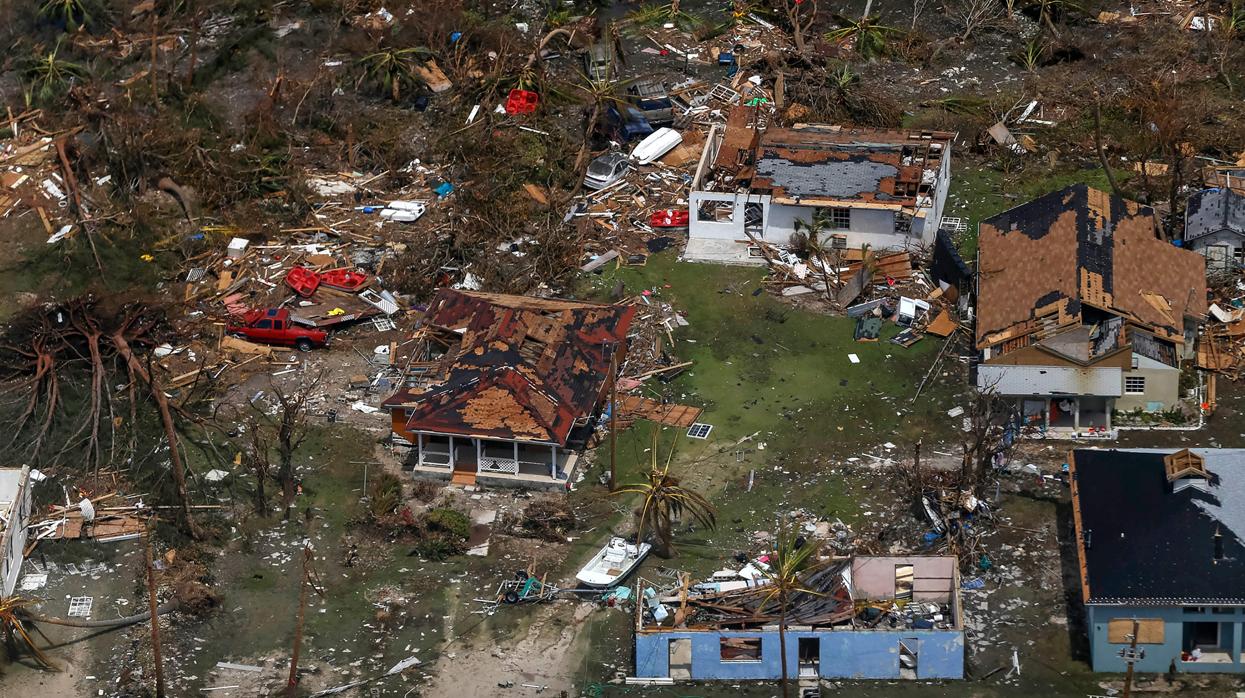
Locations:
{"points": [[786, 403]]}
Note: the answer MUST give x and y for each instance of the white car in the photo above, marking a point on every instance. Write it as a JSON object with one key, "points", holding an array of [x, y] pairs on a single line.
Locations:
{"points": [[605, 170]]}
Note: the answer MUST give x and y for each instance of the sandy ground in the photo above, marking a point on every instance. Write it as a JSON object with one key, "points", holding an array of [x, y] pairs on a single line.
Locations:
{"points": [[535, 659], [23, 680]]}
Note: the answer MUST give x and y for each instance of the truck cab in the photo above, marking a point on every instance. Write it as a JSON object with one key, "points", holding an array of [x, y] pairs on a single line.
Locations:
{"points": [[651, 98], [273, 326]]}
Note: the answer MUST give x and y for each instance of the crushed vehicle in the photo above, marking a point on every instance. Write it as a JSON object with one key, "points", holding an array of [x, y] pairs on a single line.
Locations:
{"points": [[605, 170]]}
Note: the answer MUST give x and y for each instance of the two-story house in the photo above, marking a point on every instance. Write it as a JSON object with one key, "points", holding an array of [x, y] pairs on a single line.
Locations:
{"points": [[1082, 309]]}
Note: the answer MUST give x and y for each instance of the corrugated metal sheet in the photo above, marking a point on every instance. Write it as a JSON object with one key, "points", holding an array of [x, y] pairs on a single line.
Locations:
{"points": [[1051, 380]]}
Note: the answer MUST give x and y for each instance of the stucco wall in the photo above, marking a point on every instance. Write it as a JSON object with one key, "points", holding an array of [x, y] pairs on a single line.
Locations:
{"points": [[855, 654], [873, 578], [1162, 388], [1159, 657]]}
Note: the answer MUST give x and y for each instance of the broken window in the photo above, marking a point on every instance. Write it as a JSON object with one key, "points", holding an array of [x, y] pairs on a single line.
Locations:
{"points": [[716, 212], [903, 581], [263, 325], [754, 216], [903, 223], [838, 242], [1134, 385], [740, 649]]}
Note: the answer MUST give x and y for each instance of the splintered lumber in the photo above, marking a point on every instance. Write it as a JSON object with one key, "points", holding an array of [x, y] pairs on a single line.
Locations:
{"points": [[244, 347], [943, 325], [654, 411]]}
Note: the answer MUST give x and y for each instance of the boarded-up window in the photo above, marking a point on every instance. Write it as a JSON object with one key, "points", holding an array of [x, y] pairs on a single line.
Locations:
{"points": [[1149, 631], [741, 649]]}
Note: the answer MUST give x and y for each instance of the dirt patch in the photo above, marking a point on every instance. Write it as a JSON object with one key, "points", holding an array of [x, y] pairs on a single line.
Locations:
{"points": [[545, 656]]}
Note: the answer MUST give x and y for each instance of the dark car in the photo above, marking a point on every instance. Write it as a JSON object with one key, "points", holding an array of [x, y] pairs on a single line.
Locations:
{"points": [[273, 326]]}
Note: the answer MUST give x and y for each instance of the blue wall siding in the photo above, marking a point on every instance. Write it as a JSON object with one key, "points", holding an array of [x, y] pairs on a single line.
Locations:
{"points": [[858, 654], [1159, 657]]}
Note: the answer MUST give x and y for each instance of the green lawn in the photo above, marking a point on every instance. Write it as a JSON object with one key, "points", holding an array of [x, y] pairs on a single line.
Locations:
{"points": [[785, 401]]}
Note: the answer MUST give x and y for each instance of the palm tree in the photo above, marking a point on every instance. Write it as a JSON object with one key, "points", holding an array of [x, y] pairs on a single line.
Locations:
{"points": [[49, 76], [792, 560], [870, 36], [665, 501], [598, 94], [810, 236], [391, 68], [75, 14]]}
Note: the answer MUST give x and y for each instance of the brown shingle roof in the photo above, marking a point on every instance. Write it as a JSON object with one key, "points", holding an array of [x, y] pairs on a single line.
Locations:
{"points": [[524, 369], [1039, 262]]}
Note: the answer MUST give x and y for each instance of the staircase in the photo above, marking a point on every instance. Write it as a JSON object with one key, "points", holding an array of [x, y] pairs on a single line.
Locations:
{"points": [[463, 478]]}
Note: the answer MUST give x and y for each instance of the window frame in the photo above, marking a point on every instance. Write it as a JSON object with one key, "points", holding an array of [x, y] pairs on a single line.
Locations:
{"points": [[1130, 385], [840, 218], [760, 647]]}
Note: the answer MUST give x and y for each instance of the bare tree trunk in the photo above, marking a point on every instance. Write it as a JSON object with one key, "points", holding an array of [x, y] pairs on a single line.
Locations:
{"points": [[782, 643], [153, 608], [291, 686], [1102, 155], [170, 433]]}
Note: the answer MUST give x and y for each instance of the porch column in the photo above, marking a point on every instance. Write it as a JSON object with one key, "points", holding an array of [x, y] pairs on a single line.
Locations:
{"points": [[516, 456], [452, 454], [1076, 413], [1110, 406], [553, 467], [419, 439], [478, 453]]}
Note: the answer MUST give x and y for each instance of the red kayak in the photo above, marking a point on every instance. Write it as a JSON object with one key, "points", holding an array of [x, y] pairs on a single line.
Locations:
{"points": [[344, 279], [668, 218], [303, 280]]}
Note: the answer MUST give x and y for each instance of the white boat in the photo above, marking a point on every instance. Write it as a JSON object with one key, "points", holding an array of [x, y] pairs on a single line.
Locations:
{"points": [[655, 145], [612, 563]]}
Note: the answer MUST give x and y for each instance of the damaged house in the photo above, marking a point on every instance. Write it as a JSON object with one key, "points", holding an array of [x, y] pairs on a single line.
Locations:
{"points": [[1214, 225], [1160, 539], [15, 510], [882, 188], [867, 618], [1082, 310], [505, 388]]}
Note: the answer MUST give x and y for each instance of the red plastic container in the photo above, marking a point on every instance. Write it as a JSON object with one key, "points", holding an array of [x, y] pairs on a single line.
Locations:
{"points": [[668, 218], [303, 280], [344, 279], [521, 102]]}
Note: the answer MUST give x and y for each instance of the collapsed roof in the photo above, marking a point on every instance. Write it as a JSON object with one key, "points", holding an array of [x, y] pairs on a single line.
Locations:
{"points": [[1144, 539], [1042, 263], [824, 164], [516, 368]]}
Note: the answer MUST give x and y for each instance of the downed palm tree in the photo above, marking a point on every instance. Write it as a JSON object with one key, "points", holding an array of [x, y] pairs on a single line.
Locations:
{"points": [[10, 610], [665, 501]]}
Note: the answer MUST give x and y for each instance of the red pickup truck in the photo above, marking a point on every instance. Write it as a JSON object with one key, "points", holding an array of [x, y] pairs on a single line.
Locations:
{"points": [[273, 326]]}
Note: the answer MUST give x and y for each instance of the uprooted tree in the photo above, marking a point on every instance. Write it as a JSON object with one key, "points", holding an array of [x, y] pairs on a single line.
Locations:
{"points": [[59, 364]]}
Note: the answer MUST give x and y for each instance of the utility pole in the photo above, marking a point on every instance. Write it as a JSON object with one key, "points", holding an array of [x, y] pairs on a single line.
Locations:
{"points": [[155, 617], [1131, 655], [613, 417]]}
